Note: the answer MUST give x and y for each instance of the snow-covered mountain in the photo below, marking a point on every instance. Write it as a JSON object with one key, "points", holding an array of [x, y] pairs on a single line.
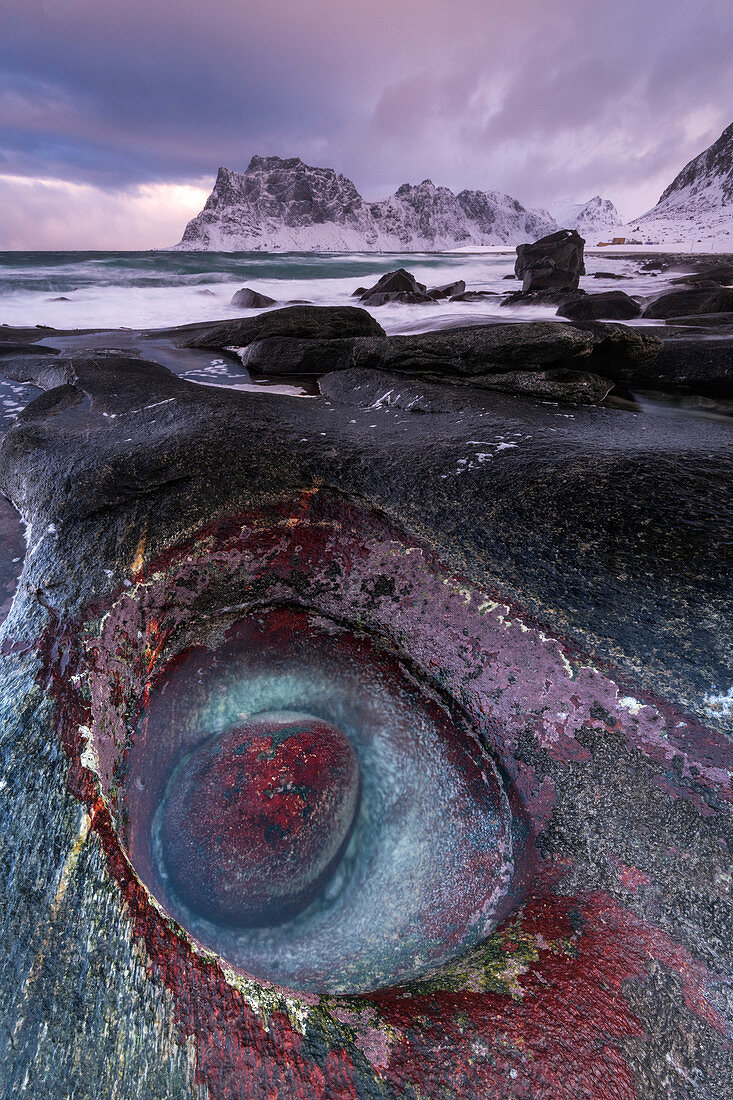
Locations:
{"points": [[697, 207], [595, 219], [285, 205]]}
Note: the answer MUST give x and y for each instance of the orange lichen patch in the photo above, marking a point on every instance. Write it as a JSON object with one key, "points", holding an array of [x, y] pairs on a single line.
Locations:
{"points": [[137, 561], [300, 512]]}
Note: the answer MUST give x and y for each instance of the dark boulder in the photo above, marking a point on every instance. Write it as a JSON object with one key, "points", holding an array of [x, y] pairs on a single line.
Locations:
{"points": [[476, 349], [301, 322], [614, 305], [251, 299], [396, 286], [609, 275], [621, 353], [448, 290], [605, 349], [463, 352], [405, 297], [682, 303], [554, 261], [282, 355]]}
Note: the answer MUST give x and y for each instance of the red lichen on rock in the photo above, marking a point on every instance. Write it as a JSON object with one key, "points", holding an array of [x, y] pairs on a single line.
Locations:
{"points": [[560, 1031], [255, 819]]}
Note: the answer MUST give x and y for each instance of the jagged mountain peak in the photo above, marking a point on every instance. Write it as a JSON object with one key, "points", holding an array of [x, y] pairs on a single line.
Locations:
{"points": [[282, 204], [595, 216], [270, 164]]}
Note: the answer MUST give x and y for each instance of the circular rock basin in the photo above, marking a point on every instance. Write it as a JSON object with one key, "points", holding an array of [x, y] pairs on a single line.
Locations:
{"points": [[312, 809], [255, 820]]}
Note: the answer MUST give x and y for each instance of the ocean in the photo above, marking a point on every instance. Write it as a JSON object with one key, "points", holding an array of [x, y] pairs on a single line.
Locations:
{"points": [[157, 289]]}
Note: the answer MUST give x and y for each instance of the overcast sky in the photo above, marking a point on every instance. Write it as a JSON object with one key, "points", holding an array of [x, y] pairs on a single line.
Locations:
{"points": [[115, 114]]}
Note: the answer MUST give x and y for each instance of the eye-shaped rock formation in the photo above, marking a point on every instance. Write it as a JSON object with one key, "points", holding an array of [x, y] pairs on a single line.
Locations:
{"points": [[561, 577]]}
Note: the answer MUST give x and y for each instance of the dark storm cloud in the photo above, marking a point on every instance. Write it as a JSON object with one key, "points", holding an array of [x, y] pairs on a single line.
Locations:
{"points": [[542, 99], [590, 97]]}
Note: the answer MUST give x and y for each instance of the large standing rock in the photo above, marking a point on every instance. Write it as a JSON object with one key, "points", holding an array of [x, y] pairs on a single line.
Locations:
{"points": [[555, 261], [614, 305]]}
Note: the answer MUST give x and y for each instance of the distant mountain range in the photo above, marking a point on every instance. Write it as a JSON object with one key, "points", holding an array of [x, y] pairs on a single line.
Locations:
{"points": [[282, 205], [285, 205]]}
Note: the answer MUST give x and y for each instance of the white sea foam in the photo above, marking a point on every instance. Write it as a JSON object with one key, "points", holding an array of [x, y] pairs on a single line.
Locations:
{"points": [[156, 290]]}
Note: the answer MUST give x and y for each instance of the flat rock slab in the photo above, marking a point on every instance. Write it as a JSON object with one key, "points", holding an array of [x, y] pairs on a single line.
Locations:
{"points": [[564, 576]]}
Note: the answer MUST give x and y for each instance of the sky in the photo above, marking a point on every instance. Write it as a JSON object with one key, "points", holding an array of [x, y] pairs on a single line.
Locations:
{"points": [[116, 114]]}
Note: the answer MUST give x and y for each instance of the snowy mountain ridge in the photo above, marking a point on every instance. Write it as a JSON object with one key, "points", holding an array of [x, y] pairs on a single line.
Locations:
{"points": [[280, 205], [697, 207], [594, 218]]}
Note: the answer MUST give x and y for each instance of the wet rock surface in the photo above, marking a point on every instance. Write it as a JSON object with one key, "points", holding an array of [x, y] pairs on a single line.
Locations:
{"points": [[448, 290], [680, 303], [543, 297], [105, 390], [12, 552], [301, 322], [246, 298], [380, 389], [565, 574]]}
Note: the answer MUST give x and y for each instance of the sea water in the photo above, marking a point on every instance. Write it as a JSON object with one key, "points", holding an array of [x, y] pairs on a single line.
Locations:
{"points": [[109, 290]]}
